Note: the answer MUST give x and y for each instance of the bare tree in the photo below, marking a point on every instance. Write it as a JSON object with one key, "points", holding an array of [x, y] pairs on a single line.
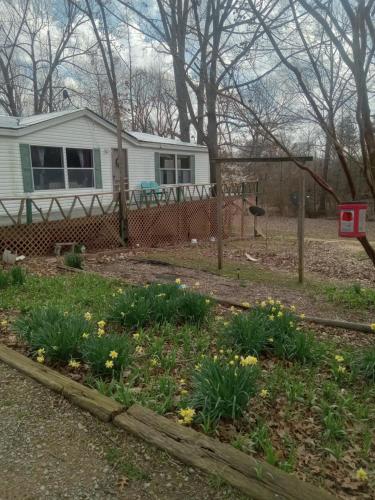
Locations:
{"points": [[350, 31]]}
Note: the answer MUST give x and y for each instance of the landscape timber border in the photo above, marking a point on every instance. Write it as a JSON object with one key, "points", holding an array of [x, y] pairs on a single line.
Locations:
{"points": [[258, 479]]}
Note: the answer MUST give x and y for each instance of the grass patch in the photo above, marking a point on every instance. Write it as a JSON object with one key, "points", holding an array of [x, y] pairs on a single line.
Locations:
{"points": [[353, 296]]}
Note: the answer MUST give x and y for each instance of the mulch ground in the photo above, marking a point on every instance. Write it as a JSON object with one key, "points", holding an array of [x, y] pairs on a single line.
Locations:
{"points": [[51, 449]]}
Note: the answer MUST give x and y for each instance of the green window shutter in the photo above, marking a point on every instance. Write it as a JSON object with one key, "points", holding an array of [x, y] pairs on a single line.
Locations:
{"points": [[27, 174], [192, 166], [157, 168], [98, 169]]}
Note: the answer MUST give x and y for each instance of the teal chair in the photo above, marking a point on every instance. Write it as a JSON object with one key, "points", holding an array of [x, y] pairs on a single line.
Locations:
{"points": [[149, 188]]}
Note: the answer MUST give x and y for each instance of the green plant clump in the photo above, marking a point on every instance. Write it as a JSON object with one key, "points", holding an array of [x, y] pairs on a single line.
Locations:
{"points": [[73, 259], [271, 328], [157, 304], [354, 296], [222, 388], [57, 334], [4, 279], [364, 364], [107, 356], [17, 275]]}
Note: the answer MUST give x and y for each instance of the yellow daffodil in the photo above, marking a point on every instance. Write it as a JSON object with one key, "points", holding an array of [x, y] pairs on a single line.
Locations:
{"points": [[215, 357], [280, 314], [3, 323], [197, 284], [231, 362], [293, 308], [136, 336], [161, 295], [361, 475], [178, 281], [271, 301], [113, 354], [302, 316], [219, 318], [154, 362], [270, 339], [74, 364], [119, 290], [101, 332], [101, 324], [263, 303], [85, 335], [341, 369], [88, 316], [291, 324], [249, 361], [183, 392], [187, 415], [226, 323], [207, 301], [41, 351], [273, 309], [40, 359], [236, 357], [139, 350], [198, 367], [182, 381], [339, 358], [264, 393], [271, 317], [372, 326], [246, 304], [109, 363]]}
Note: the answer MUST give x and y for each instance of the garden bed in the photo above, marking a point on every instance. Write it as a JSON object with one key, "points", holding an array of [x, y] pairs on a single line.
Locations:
{"points": [[304, 405]]}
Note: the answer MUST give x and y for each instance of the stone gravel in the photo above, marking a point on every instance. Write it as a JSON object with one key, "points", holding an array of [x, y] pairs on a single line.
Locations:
{"points": [[51, 449]]}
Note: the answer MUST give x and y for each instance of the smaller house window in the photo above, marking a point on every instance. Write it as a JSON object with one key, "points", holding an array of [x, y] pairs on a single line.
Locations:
{"points": [[48, 168], [167, 169], [184, 169], [80, 168]]}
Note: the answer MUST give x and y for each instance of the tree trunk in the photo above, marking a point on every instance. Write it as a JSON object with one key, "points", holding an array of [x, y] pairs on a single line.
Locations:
{"points": [[323, 192]]}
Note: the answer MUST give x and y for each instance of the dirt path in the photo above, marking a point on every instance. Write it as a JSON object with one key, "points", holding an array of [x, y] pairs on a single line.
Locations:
{"points": [[51, 449], [136, 271]]}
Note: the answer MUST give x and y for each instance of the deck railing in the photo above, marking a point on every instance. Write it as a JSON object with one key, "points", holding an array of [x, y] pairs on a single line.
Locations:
{"points": [[18, 211]]}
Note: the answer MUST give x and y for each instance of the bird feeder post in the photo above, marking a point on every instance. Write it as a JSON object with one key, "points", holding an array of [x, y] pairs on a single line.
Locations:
{"points": [[301, 225]]}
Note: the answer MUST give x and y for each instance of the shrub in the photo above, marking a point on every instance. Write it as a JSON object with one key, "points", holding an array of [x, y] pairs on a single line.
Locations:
{"points": [[4, 279], [156, 304], [108, 355], [222, 388], [59, 335], [364, 363], [73, 259], [17, 275]]}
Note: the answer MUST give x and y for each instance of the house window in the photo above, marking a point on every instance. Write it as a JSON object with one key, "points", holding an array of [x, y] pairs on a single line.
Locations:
{"points": [[48, 167], [80, 168], [167, 169], [184, 169]]}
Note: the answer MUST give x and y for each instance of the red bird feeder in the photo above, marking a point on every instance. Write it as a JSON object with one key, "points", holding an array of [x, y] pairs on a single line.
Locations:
{"points": [[352, 222]]}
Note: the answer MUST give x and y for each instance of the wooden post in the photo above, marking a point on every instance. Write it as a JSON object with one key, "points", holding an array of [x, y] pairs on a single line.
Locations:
{"points": [[219, 200], [256, 203], [29, 211], [243, 205], [301, 225]]}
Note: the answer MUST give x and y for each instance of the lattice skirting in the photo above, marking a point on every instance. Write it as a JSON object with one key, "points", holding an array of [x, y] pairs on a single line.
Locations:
{"points": [[97, 232], [181, 222]]}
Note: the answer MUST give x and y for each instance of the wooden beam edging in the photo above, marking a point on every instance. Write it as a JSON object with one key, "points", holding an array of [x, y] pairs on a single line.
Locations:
{"points": [[89, 399], [347, 325], [257, 479]]}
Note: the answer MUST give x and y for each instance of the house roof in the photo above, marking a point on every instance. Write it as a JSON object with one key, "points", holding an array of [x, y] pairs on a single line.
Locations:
{"points": [[12, 123]]}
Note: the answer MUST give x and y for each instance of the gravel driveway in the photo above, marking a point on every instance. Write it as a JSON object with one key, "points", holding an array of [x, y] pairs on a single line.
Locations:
{"points": [[51, 449]]}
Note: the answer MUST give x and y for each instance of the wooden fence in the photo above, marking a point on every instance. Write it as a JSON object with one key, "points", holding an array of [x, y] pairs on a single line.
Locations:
{"points": [[154, 217]]}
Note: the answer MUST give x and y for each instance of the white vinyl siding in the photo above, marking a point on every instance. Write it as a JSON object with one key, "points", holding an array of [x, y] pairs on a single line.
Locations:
{"points": [[83, 132]]}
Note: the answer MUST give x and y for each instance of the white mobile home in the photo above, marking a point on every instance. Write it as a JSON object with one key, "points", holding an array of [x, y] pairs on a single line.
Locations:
{"points": [[73, 152]]}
